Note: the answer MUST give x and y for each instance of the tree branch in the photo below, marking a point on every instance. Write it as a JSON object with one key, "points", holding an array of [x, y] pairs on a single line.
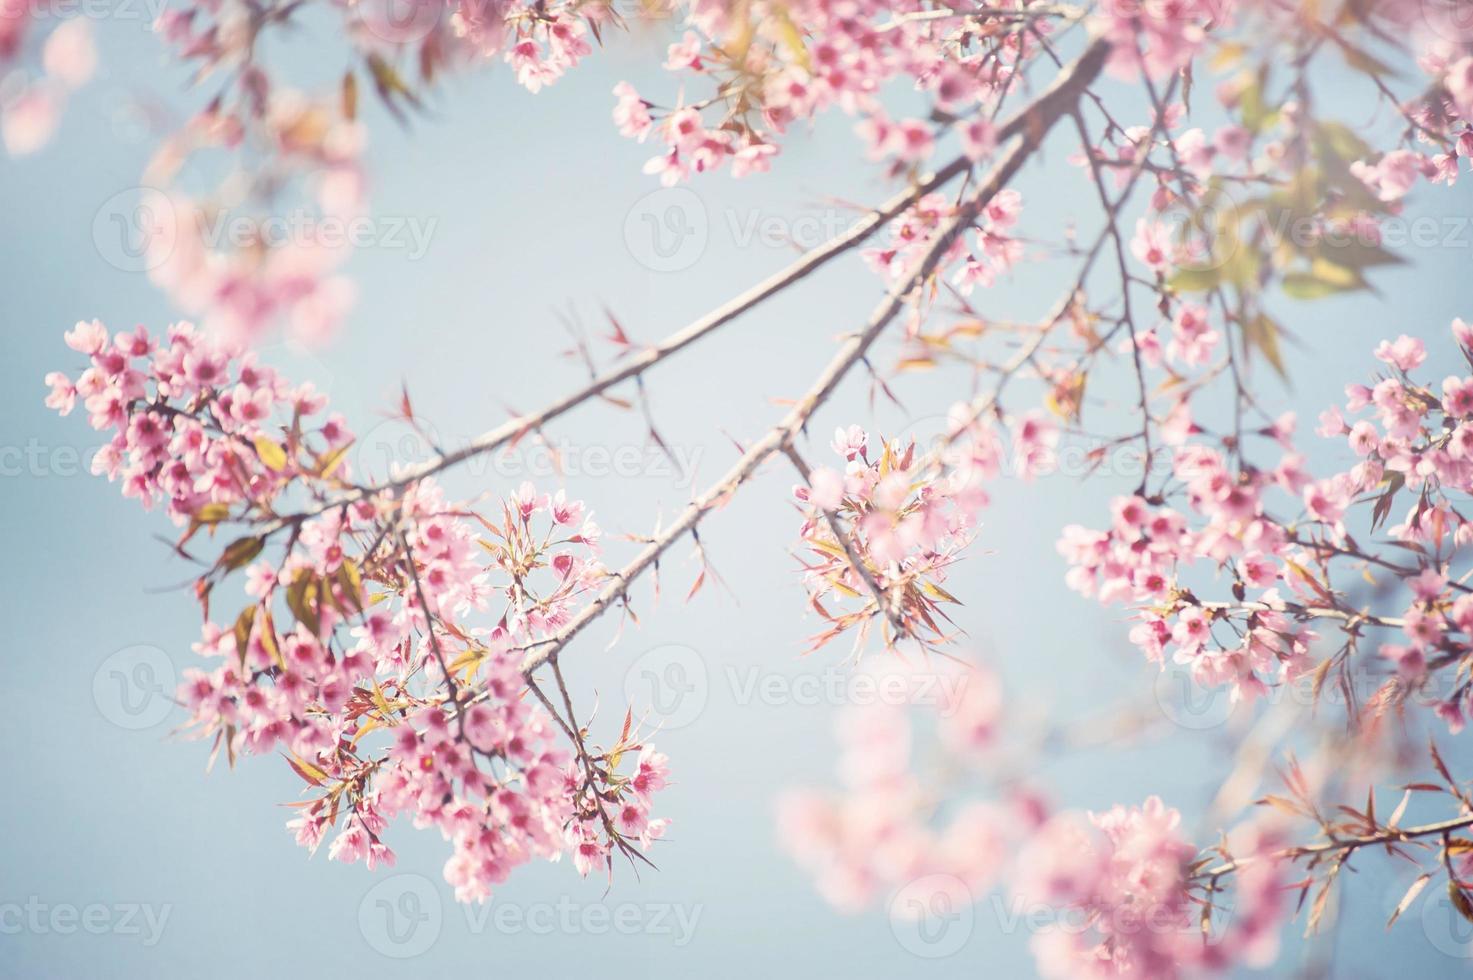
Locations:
{"points": [[1031, 125]]}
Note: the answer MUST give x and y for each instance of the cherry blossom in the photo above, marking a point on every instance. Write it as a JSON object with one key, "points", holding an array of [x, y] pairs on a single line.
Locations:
{"points": [[404, 650], [381, 652]]}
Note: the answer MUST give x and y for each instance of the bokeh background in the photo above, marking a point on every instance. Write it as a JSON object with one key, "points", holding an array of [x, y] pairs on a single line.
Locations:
{"points": [[536, 215]]}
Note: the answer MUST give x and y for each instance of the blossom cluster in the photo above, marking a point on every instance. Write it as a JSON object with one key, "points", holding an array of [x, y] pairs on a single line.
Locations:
{"points": [[230, 257], [994, 251], [189, 419], [896, 529], [773, 65], [33, 101], [879, 830], [1158, 39], [1444, 127], [1419, 439], [383, 641], [397, 612], [886, 529], [1130, 900], [1120, 893]]}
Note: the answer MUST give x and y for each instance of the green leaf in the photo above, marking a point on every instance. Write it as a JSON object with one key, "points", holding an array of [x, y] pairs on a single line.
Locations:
{"points": [[1262, 334], [240, 552], [301, 598], [243, 631], [1341, 142], [1315, 285], [1241, 267], [1194, 280], [1256, 114], [1355, 255], [1362, 60], [351, 583]]}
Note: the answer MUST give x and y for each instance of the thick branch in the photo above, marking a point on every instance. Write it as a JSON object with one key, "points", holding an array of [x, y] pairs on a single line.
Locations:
{"points": [[1031, 125]]}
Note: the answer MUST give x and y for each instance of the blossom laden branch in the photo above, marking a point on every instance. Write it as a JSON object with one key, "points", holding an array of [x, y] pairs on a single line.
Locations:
{"points": [[1034, 123]]}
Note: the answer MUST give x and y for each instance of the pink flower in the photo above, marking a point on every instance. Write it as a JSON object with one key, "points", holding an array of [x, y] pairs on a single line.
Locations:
{"points": [[1393, 175], [669, 167], [565, 511], [1192, 630], [528, 501], [63, 396], [1233, 142], [1428, 584], [1457, 396], [1405, 353], [631, 114], [752, 158], [1150, 245], [1410, 661], [851, 442], [912, 141], [1463, 332], [685, 54], [87, 337], [1192, 339], [29, 120], [827, 490], [589, 853], [350, 846], [1364, 438], [1459, 82], [632, 818], [979, 139], [1332, 423], [69, 55], [653, 772], [1196, 153]]}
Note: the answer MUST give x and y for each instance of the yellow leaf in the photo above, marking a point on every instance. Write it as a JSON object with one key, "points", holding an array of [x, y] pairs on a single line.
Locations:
{"points": [[306, 770], [793, 38], [1227, 55], [350, 96], [212, 513], [268, 638], [328, 464], [937, 592], [271, 453], [366, 726]]}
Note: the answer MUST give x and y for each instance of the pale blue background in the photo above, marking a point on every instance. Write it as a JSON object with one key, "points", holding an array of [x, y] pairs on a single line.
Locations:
{"points": [[530, 196]]}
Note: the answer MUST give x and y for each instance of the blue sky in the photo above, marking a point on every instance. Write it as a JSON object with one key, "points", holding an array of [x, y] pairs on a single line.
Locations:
{"points": [[533, 207]]}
